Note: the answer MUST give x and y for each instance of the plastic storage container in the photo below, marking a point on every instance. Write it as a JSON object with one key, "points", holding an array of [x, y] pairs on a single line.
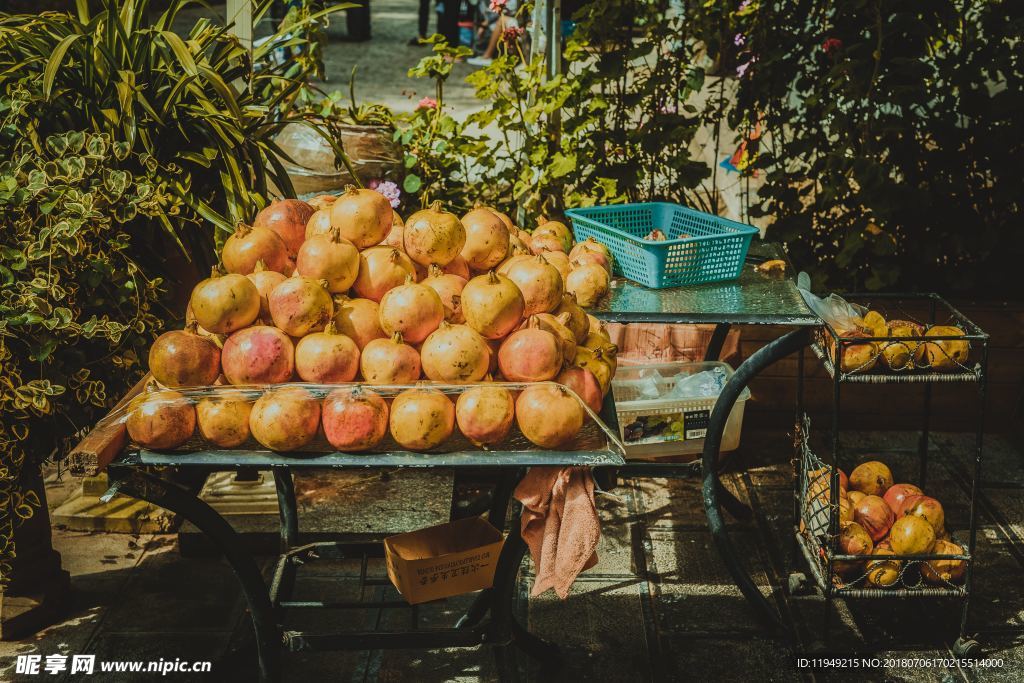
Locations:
{"points": [[655, 427], [699, 248]]}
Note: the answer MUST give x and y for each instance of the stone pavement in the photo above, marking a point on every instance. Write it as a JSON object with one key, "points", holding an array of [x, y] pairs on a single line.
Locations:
{"points": [[659, 606]]}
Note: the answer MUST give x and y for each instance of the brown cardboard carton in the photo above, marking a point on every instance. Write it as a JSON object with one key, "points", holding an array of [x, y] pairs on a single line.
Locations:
{"points": [[444, 560]]}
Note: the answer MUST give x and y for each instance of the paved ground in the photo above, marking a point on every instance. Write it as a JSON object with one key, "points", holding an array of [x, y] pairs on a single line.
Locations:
{"points": [[659, 606]]}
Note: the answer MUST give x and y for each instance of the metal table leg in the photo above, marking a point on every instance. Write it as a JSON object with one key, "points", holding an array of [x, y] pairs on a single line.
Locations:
{"points": [[150, 488], [747, 371]]}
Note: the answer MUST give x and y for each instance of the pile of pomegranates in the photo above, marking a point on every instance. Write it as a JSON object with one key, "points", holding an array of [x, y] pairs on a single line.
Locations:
{"points": [[880, 517], [341, 290]]}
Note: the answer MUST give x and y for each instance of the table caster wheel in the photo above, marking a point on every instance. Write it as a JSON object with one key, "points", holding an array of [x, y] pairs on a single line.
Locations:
{"points": [[798, 584], [967, 648]]}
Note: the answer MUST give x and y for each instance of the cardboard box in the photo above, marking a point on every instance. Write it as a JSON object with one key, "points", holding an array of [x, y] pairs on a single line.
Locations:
{"points": [[444, 560]]}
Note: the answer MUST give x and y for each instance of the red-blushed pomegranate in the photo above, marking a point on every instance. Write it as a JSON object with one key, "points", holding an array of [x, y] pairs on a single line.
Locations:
{"points": [[301, 305], [449, 287], [897, 493], [597, 363], [544, 242], [260, 354], [319, 223], [853, 540], [329, 257], [322, 201], [285, 419], [539, 282], [487, 241], [160, 419], [583, 382], [248, 245], [485, 414], [327, 357], [874, 515], [928, 509], [354, 419], [421, 419], [224, 418], [412, 310], [911, 535], [395, 237], [548, 415], [433, 236], [225, 303], [504, 266], [504, 217], [560, 261], [364, 217], [182, 358], [265, 281], [882, 573], [455, 353], [944, 572], [381, 269], [557, 229], [389, 361], [458, 266], [593, 258], [590, 245], [588, 282], [873, 478], [556, 325], [578, 322], [492, 305], [358, 319], [530, 355], [288, 218]]}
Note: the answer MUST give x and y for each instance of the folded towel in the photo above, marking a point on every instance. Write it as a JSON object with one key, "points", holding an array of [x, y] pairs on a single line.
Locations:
{"points": [[559, 524]]}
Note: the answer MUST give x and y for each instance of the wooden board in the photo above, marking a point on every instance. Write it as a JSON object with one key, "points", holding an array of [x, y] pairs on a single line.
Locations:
{"points": [[101, 445]]}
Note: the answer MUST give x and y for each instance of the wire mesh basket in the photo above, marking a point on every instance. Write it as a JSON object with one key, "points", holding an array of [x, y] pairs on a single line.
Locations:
{"points": [[875, 575]]}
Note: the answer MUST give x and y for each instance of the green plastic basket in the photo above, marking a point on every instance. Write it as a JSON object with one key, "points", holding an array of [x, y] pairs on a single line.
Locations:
{"points": [[700, 247]]}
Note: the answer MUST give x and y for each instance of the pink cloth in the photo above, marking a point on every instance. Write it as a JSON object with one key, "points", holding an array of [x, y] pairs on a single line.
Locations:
{"points": [[559, 524]]}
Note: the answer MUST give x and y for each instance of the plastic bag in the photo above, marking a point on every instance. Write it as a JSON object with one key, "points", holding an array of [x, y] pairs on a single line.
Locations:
{"points": [[700, 385], [833, 309]]}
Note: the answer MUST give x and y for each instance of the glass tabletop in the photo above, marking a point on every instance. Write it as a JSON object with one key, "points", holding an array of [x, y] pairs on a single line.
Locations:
{"points": [[752, 299]]}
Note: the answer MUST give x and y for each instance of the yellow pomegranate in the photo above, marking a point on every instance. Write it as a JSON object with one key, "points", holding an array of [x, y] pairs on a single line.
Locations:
{"points": [[944, 354], [421, 419], [911, 535]]}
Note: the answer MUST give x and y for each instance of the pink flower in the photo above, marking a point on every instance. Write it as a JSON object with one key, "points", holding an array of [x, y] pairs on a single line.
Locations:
{"points": [[744, 5], [427, 103], [832, 45], [389, 190], [741, 70], [739, 40], [498, 5], [512, 34]]}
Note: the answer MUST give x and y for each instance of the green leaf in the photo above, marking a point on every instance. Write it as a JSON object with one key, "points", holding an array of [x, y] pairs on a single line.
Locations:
{"points": [[412, 183], [54, 63]]}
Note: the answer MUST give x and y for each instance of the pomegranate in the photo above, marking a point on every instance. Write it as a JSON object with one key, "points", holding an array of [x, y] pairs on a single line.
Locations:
{"points": [[946, 354], [944, 572], [590, 246], [503, 268], [422, 419], [583, 382], [853, 540], [544, 242], [492, 305], [248, 245], [900, 355], [380, 270], [433, 236], [503, 217], [556, 229], [882, 573], [414, 310], [449, 288], [854, 357], [329, 257], [897, 493], [319, 223], [556, 325], [395, 237], [875, 516], [358, 319], [487, 242], [560, 261], [597, 362], [389, 361], [517, 245], [301, 305], [160, 419], [327, 357], [260, 354], [354, 419], [911, 535], [265, 281], [548, 415], [288, 218], [458, 266], [530, 355], [225, 303], [485, 414], [588, 282], [823, 476], [927, 508], [872, 478], [846, 511], [597, 327], [577, 322], [183, 358], [539, 282], [364, 217], [855, 497], [322, 201], [224, 418], [455, 353], [285, 419], [592, 258]]}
